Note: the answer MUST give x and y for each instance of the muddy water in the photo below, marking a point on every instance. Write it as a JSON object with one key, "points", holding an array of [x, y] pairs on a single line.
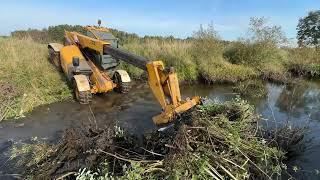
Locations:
{"points": [[298, 104]]}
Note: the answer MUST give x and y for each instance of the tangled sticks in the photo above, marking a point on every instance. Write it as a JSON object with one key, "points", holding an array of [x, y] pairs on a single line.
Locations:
{"points": [[209, 141]]}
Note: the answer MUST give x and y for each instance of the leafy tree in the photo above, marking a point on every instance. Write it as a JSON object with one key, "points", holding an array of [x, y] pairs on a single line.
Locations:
{"points": [[56, 33], [309, 30], [260, 46], [261, 32]]}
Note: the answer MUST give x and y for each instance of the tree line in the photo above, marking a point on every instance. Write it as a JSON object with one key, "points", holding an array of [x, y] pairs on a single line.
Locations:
{"points": [[308, 32], [56, 34]]}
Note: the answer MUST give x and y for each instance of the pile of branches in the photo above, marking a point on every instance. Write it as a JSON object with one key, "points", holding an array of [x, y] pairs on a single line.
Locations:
{"points": [[211, 141]]}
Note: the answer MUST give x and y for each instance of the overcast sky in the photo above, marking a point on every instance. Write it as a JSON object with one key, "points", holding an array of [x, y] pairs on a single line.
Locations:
{"points": [[161, 17]]}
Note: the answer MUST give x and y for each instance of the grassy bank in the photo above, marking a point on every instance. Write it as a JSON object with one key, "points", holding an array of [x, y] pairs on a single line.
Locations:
{"points": [[206, 59], [304, 62], [27, 78], [193, 60]]}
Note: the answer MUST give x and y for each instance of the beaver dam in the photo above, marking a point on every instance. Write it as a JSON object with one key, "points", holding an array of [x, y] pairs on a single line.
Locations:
{"points": [[211, 141], [222, 138]]}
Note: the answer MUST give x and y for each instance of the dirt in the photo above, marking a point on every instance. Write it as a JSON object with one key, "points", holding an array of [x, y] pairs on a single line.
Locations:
{"points": [[7, 90], [7, 93]]}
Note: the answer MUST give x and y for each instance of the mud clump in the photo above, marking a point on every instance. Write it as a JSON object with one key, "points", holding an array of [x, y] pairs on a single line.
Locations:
{"points": [[7, 94], [7, 90], [209, 141]]}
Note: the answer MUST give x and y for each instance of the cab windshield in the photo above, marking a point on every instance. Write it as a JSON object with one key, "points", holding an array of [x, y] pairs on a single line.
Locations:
{"points": [[104, 35]]}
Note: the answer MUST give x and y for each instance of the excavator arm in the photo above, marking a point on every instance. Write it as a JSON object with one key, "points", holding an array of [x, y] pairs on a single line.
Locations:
{"points": [[162, 81]]}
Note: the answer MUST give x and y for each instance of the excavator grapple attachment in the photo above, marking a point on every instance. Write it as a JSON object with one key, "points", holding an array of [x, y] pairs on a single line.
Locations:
{"points": [[170, 112], [165, 86]]}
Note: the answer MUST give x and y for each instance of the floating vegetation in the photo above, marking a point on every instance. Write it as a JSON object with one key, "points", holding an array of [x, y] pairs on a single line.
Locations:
{"points": [[251, 89]]}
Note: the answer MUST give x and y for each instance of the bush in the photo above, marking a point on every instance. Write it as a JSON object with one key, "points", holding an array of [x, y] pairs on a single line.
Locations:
{"points": [[253, 54], [261, 50], [56, 33], [207, 51], [224, 72], [37, 35]]}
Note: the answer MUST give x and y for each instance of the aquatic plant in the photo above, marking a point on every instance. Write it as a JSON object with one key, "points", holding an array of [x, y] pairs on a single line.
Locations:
{"points": [[251, 89]]}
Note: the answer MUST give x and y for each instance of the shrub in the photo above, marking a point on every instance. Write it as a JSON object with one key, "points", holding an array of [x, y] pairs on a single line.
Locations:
{"points": [[222, 72], [253, 53]]}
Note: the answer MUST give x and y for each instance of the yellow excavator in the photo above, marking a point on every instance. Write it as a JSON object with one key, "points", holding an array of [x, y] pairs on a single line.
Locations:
{"points": [[90, 62]]}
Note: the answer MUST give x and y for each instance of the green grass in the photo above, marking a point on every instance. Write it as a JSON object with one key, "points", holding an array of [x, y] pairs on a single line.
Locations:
{"points": [[304, 62], [25, 67], [174, 53], [267, 59], [207, 58], [192, 60]]}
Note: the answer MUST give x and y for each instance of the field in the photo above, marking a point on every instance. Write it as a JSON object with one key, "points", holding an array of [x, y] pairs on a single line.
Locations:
{"points": [[27, 79]]}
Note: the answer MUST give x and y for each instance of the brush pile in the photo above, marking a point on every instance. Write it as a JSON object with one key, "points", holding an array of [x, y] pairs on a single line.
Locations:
{"points": [[211, 141]]}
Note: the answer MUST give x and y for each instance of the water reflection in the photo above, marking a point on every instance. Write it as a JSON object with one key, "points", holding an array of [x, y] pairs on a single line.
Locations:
{"points": [[300, 99]]}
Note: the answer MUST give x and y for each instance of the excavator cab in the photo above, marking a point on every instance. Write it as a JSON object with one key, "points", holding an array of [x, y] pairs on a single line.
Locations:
{"points": [[102, 34], [102, 60]]}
